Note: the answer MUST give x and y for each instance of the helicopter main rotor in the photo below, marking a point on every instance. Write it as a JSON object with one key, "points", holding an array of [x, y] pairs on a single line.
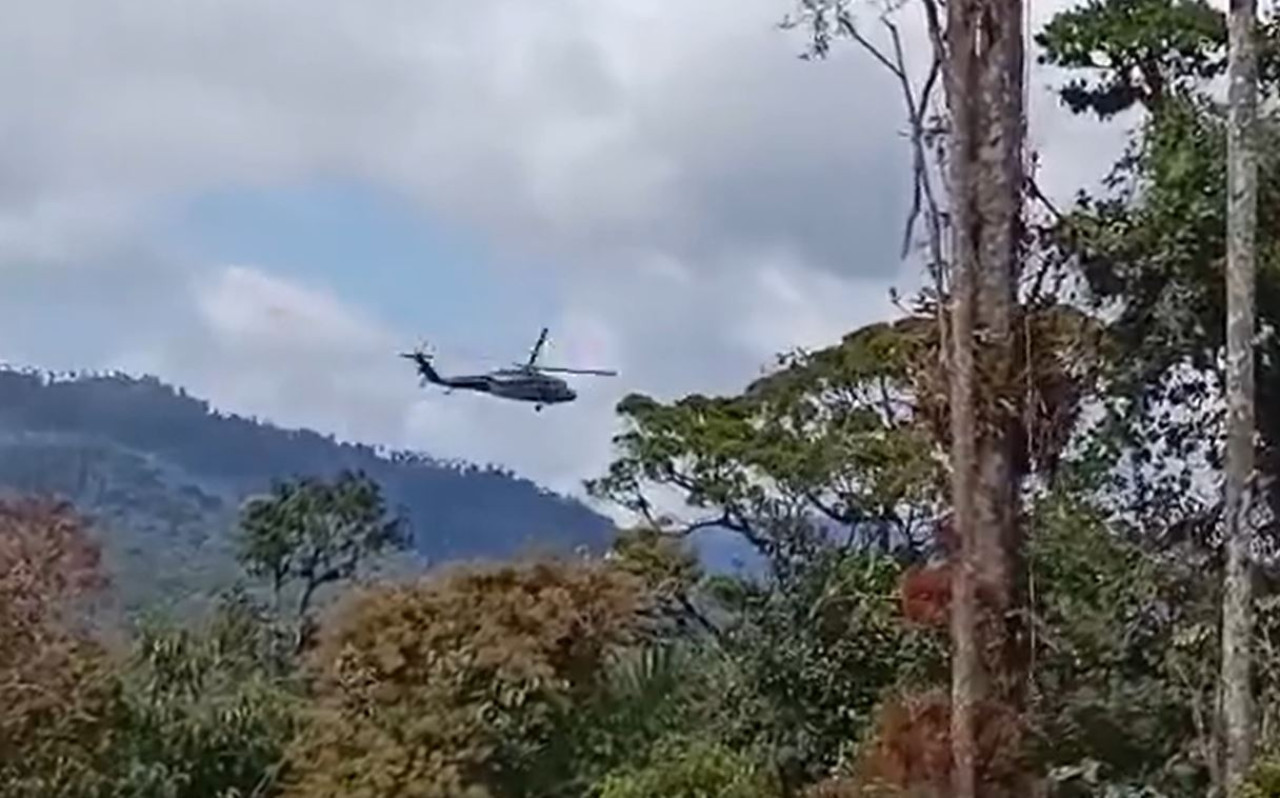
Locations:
{"points": [[595, 372], [530, 366], [537, 349]]}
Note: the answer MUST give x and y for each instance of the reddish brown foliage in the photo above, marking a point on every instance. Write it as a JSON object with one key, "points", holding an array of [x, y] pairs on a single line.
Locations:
{"points": [[54, 684], [926, 594], [447, 687], [911, 751], [47, 559], [911, 747]]}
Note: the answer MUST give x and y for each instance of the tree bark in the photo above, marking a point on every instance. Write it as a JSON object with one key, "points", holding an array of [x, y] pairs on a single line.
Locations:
{"points": [[1000, 181], [984, 83], [1242, 194]]}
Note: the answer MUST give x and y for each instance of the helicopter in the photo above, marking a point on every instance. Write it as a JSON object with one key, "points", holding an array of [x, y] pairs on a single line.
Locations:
{"points": [[524, 382]]}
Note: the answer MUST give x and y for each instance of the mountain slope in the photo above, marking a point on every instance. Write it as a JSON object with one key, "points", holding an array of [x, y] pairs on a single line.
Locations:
{"points": [[162, 476]]}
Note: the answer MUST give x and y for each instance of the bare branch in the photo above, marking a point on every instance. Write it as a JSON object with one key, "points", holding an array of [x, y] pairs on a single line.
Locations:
{"points": [[830, 511], [849, 29], [723, 520], [923, 196]]}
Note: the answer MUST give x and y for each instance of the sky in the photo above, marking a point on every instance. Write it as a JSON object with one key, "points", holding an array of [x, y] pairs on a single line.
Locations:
{"points": [[264, 202]]}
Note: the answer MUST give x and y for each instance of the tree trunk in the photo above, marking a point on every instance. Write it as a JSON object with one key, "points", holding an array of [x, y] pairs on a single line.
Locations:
{"points": [[1000, 181], [984, 82], [1237, 599]]}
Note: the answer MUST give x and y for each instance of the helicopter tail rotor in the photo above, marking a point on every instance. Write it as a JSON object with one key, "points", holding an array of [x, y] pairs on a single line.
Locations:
{"points": [[422, 350], [422, 356]]}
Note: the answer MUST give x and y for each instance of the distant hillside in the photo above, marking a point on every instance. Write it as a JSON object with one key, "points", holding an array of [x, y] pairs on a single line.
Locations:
{"points": [[162, 474]]}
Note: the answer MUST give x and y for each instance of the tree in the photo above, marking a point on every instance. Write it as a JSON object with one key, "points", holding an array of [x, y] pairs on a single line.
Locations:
{"points": [[1192, 193], [1152, 246], [1139, 53], [835, 447], [56, 684], [205, 715], [829, 467], [684, 768], [1237, 597], [465, 683], [982, 74], [978, 51], [309, 533]]}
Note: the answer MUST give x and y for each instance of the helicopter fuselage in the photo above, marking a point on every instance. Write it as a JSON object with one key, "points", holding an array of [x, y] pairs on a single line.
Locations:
{"points": [[519, 385], [522, 387]]}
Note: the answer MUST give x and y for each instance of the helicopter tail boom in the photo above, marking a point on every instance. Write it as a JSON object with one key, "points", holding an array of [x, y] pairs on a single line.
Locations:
{"points": [[425, 369]]}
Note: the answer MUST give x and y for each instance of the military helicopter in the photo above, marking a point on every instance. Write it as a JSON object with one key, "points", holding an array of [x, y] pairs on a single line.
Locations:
{"points": [[524, 382]]}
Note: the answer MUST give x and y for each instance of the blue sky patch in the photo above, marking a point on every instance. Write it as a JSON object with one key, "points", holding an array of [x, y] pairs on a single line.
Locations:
{"points": [[378, 252]]}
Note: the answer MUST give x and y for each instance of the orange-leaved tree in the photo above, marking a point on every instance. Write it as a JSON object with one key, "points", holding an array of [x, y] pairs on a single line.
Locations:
{"points": [[57, 690], [466, 683]]}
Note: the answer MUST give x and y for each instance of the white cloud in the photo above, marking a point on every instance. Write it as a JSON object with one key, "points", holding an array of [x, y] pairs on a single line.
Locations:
{"points": [[570, 123], [708, 198], [269, 317], [257, 345]]}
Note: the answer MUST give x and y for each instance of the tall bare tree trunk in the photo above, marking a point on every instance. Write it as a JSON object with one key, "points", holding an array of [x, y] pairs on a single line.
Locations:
{"points": [[983, 78], [966, 664], [1242, 193], [1000, 190]]}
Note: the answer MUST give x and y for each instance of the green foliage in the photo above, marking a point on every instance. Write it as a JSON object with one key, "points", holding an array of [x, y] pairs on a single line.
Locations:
{"points": [[314, 530], [666, 566], [1142, 51], [1124, 655], [829, 441], [692, 768], [308, 528], [1151, 249], [1264, 781], [831, 467], [206, 713], [816, 657], [309, 533], [828, 468], [646, 694], [188, 713]]}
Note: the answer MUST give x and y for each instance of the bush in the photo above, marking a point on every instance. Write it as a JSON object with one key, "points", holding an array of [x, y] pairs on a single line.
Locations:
{"points": [[685, 768]]}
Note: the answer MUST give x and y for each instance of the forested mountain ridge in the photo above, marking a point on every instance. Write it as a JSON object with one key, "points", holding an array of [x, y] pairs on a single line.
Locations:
{"points": [[162, 475]]}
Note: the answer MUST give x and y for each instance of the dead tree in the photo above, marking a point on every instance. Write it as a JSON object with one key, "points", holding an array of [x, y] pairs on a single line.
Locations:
{"points": [[983, 77], [1242, 192], [973, 254]]}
